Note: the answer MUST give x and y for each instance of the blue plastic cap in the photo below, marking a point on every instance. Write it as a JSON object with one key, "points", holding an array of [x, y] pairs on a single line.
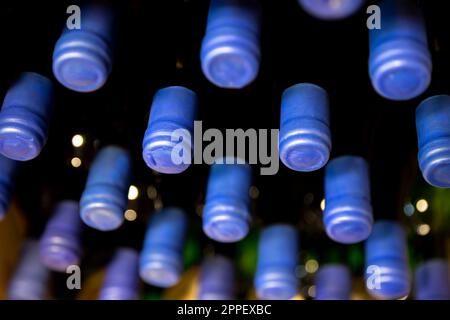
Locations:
{"points": [[60, 244], [230, 52], [122, 277], [217, 278], [305, 138], [333, 282], [387, 272], [432, 280], [170, 130], [24, 117], [8, 169], [275, 277], [161, 260], [400, 63], [105, 196], [226, 214], [331, 9], [82, 58], [348, 213], [394, 280], [433, 132], [30, 278]]}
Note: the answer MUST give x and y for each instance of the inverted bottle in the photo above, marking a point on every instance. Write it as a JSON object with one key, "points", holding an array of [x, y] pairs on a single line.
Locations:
{"points": [[30, 278], [8, 169], [217, 279], [25, 116], [121, 280], [168, 140], [82, 58], [432, 280], [400, 63], [387, 272], [226, 214], [161, 260], [433, 132], [348, 213], [60, 243], [230, 53], [105, 197], [333, 282], [275, 277], [305, 138], [331, 9]]}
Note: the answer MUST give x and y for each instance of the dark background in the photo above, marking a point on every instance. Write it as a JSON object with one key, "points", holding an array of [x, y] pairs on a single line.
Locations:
{"points": [[158, 44]]}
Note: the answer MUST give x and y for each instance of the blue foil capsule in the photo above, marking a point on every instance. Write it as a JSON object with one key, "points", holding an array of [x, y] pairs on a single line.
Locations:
{"points": [[275, 276], [230, 52], [161, 260], [387, 272], [8, 169], [432, 280], [305, 138], [104, 198], [167, 145], [121, 280], [60, 244], [433, 132], [217, 279], [82, 58], [348, 213], [400, 63], [226, 214], [25, 117], [331, 9], [333, 282], [30, 278]]}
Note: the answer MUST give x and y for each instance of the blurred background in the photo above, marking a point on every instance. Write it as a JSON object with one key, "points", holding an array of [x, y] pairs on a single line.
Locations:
{"points": [[158, 45]]}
